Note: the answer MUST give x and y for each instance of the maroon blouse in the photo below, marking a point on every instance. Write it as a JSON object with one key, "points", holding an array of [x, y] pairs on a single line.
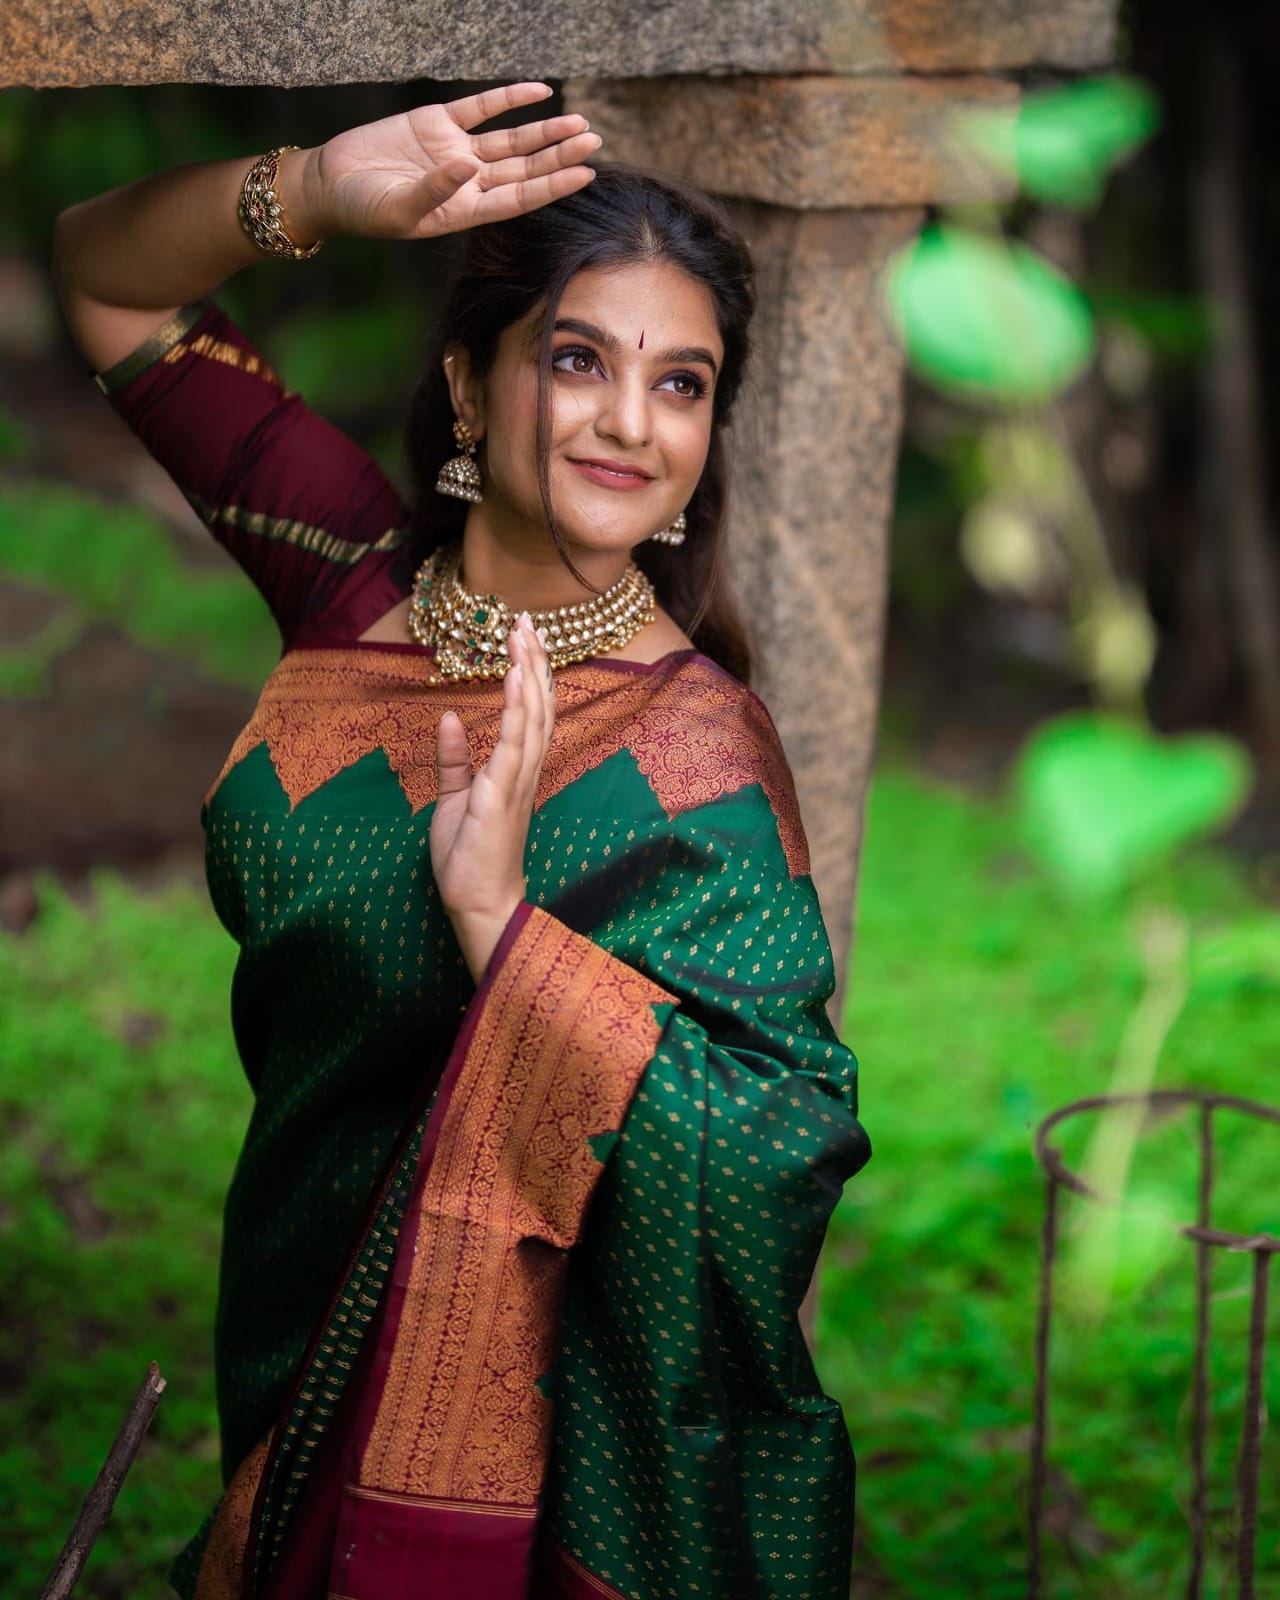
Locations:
{"points": [[310, 516]]}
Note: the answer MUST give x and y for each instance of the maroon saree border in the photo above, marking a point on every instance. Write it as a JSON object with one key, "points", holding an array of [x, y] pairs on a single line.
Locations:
{"points": [[226, 1570], [450, 1442], [561, 1576]]}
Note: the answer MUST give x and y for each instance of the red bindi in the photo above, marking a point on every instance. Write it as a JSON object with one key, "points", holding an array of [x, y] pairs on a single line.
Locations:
{"points": [[642, 338]]}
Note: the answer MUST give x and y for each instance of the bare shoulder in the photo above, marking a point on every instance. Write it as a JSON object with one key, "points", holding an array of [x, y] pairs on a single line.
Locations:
{"points": [[655, 640]]}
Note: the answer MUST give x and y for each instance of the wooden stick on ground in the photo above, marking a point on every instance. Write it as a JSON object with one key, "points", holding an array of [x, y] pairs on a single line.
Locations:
{"points": [[102, 1496]]}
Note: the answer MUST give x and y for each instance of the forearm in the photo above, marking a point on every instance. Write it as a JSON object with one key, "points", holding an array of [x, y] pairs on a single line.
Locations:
{"points": [[173, 236]]}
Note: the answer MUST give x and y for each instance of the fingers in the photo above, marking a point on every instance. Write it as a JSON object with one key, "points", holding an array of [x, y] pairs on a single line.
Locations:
{"points": [[504, 766], [534, 687], [520, 169], [527, 138], [453, 757], [473, 108], [528, 715], [440, 184], [511, 199]]}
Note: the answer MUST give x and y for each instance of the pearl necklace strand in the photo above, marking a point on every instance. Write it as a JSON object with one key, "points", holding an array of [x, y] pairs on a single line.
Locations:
{"points": [[468, 632]]}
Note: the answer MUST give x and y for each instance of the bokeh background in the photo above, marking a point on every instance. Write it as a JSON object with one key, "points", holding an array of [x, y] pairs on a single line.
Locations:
{"points": [[1070, 880]]}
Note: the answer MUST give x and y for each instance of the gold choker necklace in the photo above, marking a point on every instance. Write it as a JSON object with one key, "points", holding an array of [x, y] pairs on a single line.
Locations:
{"points": [[469, 631]]}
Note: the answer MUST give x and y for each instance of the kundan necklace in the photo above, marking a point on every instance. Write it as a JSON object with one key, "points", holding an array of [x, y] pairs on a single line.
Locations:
{"points": [[468, 632]]}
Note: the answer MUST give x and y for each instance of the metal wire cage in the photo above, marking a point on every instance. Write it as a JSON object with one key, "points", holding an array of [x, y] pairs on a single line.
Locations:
{"points": [[1207, 1238]]}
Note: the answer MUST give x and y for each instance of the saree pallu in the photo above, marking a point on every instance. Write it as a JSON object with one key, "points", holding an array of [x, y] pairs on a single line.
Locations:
{"points": [[559, 1355]]}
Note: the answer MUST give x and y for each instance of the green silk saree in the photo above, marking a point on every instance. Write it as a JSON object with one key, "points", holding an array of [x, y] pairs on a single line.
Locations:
{"points": [[512, 1270]]}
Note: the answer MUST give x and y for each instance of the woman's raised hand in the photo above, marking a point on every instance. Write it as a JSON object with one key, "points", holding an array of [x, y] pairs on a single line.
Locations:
{"points": [[480, 824], [425, 172]]}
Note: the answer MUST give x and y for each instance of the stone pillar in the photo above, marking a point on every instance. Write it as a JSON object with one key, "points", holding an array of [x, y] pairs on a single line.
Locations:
{"points": [[815, 448]]}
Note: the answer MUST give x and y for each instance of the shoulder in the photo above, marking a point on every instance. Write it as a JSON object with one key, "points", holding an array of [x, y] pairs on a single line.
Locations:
{"points": [[706, 736]]}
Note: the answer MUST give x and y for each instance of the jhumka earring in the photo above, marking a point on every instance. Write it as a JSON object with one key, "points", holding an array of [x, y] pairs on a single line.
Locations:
{"points": [[460, 476], [674, 533]]}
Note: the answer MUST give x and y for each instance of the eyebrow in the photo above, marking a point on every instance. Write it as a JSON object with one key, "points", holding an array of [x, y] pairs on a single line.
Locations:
{"points": [[613, 344]]}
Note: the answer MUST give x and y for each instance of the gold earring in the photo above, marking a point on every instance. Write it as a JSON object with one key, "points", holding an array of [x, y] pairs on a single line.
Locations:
{"points": [[460, 476], [674, 533]]}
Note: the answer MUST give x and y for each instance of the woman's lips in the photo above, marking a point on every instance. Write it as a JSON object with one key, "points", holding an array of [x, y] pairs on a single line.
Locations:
{"points": [[607, 477]]}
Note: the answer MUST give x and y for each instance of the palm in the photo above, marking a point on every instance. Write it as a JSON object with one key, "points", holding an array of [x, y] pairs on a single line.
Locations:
{"points": [[446, 826], [390, 179]]}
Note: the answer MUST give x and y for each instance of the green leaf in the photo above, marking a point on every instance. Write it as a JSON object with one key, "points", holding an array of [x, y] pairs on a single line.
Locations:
{"points": [[1059, 144], [987, 318], [1103, 798]]}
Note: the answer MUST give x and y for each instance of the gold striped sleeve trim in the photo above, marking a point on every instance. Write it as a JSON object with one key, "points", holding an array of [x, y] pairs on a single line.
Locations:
{"points": [[154, 347], [230, 354], [304, 535]]}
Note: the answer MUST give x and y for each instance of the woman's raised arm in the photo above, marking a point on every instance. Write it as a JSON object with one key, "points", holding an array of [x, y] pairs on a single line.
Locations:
{"points": [[295, 501], [124, 261]]}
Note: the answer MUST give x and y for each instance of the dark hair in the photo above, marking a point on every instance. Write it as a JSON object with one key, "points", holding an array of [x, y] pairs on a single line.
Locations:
{"points": [[623, 215]]}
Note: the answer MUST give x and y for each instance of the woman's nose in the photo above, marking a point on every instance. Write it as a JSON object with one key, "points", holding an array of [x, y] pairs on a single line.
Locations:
{"points": [[625, 414]]}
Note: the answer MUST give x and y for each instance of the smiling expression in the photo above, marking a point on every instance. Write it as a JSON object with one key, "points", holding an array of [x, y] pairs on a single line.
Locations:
{"points": [[635, 356]]}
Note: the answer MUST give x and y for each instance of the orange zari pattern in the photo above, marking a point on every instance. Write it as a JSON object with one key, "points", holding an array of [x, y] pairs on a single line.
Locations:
{"points": [[560, 1045], [696, 734]]}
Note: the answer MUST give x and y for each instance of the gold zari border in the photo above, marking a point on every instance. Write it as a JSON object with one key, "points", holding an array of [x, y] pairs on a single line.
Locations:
{"points": [[695, 732], [559, 1047]]}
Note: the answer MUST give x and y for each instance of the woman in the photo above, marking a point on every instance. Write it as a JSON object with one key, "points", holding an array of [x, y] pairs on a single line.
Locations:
{"points": [[549, 1114]]}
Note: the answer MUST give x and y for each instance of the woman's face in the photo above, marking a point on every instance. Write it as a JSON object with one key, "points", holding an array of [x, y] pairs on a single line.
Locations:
{"points": [[635, 358]]}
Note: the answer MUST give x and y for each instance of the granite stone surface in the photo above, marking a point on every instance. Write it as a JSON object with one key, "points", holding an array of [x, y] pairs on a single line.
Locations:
{"points": [[47, 43], [814, 457], [815, 142]]}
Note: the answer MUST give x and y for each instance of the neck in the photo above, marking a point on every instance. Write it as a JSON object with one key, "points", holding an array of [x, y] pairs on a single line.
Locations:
{"points": [[526, 572]]}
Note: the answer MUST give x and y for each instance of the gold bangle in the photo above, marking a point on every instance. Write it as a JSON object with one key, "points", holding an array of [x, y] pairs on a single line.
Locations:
{"points": [[261, 209]]}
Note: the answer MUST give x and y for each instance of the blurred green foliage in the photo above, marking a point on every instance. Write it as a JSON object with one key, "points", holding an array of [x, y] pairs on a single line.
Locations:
{"points": [[979, 1001], [15, 438], [1104, 800], [1059, 144], [987, 318], [118, 564], [122, 1107]]}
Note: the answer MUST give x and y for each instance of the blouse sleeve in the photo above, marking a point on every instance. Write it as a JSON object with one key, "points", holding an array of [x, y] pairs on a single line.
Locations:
{"points": [[293, 499]]}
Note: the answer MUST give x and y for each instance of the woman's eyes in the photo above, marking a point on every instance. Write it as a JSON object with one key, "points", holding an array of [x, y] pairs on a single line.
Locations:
{"points": [[696, 386]]}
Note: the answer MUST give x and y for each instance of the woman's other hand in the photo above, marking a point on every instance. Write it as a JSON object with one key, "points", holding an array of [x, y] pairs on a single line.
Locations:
{"points": [[425, 172], [481, 823]]}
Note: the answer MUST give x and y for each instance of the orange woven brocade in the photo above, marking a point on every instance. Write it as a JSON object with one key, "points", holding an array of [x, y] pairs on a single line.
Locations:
{"points": [[461, 1422], [556, 1055]]}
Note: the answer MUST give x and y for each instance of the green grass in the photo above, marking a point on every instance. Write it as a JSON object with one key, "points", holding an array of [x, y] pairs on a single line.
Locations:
{"points": [[116, 563], [115, 1160], [978, 1002]]}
